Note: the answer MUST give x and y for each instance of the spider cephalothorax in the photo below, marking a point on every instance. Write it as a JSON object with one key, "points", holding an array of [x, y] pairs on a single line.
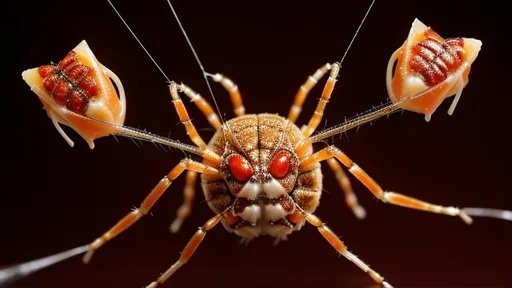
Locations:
{"points": [[260, 176]]}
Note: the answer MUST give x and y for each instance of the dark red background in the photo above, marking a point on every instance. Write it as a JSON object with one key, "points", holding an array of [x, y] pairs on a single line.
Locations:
{"points": [[56, 197]]}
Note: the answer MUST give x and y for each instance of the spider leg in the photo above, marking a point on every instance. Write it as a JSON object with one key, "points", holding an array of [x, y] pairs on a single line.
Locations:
{"points": [[374, 187], [303, 92], [188, 197], [149, 201], [201, 103], [184, 118], [189, 250], [234, 93], [326, 95], [340, 247], [346, 187]]}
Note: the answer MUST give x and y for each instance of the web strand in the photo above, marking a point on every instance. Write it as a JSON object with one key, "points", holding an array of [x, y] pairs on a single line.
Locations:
{"points": [[18, 271], [489, 213], [357, 32], [205, 74], [140, 43]]}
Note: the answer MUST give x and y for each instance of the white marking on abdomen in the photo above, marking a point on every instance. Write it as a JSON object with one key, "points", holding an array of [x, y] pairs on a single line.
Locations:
{"points": [[250, 190], [279, 231], [273, 189], [251, 213], [274, 212]]}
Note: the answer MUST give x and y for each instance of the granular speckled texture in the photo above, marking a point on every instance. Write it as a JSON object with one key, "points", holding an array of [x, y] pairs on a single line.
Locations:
{"points": [[257, 136]]}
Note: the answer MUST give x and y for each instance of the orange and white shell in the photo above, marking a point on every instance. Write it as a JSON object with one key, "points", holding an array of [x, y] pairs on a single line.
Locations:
{"points": [[426, 60], [77, 92]]}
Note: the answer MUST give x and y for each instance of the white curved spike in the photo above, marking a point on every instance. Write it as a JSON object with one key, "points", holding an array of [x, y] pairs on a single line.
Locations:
{"points": [[389, 73], [119, 86], [457, 96], [61, 132]]}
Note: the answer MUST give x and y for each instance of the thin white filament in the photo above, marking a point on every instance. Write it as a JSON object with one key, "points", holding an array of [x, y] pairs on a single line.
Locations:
{"points": [[489, 212], [140, 43], [205, 74], [19, 271], [357, 32]]}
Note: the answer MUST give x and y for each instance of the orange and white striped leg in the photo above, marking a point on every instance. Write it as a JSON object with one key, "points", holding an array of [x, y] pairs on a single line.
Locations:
{"points": [[184, 118], [189, 250], [147, 204], [326, 95], [303, 92], [346, 187], [374, 187], [202, 104], [188, 197], [234, 93], [340, 247]]}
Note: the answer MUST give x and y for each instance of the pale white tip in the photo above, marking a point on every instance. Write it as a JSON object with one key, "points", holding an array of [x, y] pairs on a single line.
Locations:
{"points": [[88, 256], [360, 212], [216, 77], [176, 225], [152, 285], [386, 285], [465, 217], [240, 110]]}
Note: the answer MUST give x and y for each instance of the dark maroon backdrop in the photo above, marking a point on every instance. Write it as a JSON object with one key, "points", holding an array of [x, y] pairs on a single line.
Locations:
{"points": [[56, 197]]}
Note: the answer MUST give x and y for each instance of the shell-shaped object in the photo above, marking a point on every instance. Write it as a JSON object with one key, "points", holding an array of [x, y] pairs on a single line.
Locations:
{"points": [[78, 92], [426, 60]]}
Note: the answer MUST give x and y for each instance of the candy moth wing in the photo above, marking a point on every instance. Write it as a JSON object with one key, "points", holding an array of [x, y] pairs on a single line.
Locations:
{"points": [[78, 91], [426, 60]]}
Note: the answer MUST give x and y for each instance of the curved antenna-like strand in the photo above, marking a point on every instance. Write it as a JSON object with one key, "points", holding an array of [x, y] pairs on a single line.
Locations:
{"points": [[369, 116], [18, 271], [147, 136], [489, 213], [374, 114], [130, 132]]}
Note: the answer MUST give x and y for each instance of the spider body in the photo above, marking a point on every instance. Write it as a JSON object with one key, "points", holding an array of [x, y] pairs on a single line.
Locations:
{"points": [[264, 203]]}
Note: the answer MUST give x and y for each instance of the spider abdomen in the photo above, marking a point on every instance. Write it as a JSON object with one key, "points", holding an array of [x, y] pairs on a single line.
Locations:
{"points": [[263, 203]]}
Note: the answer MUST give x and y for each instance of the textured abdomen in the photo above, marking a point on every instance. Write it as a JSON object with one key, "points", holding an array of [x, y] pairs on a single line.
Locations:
{"points": [[257, 136], [433, 58]]}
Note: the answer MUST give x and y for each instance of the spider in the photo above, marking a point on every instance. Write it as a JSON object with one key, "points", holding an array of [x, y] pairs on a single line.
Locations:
{"points": [[259, 172], [228, 130]]}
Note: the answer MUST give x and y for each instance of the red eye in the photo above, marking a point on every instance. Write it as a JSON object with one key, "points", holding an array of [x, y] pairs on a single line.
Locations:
{"points": [[280, 164], [240, 168]]}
